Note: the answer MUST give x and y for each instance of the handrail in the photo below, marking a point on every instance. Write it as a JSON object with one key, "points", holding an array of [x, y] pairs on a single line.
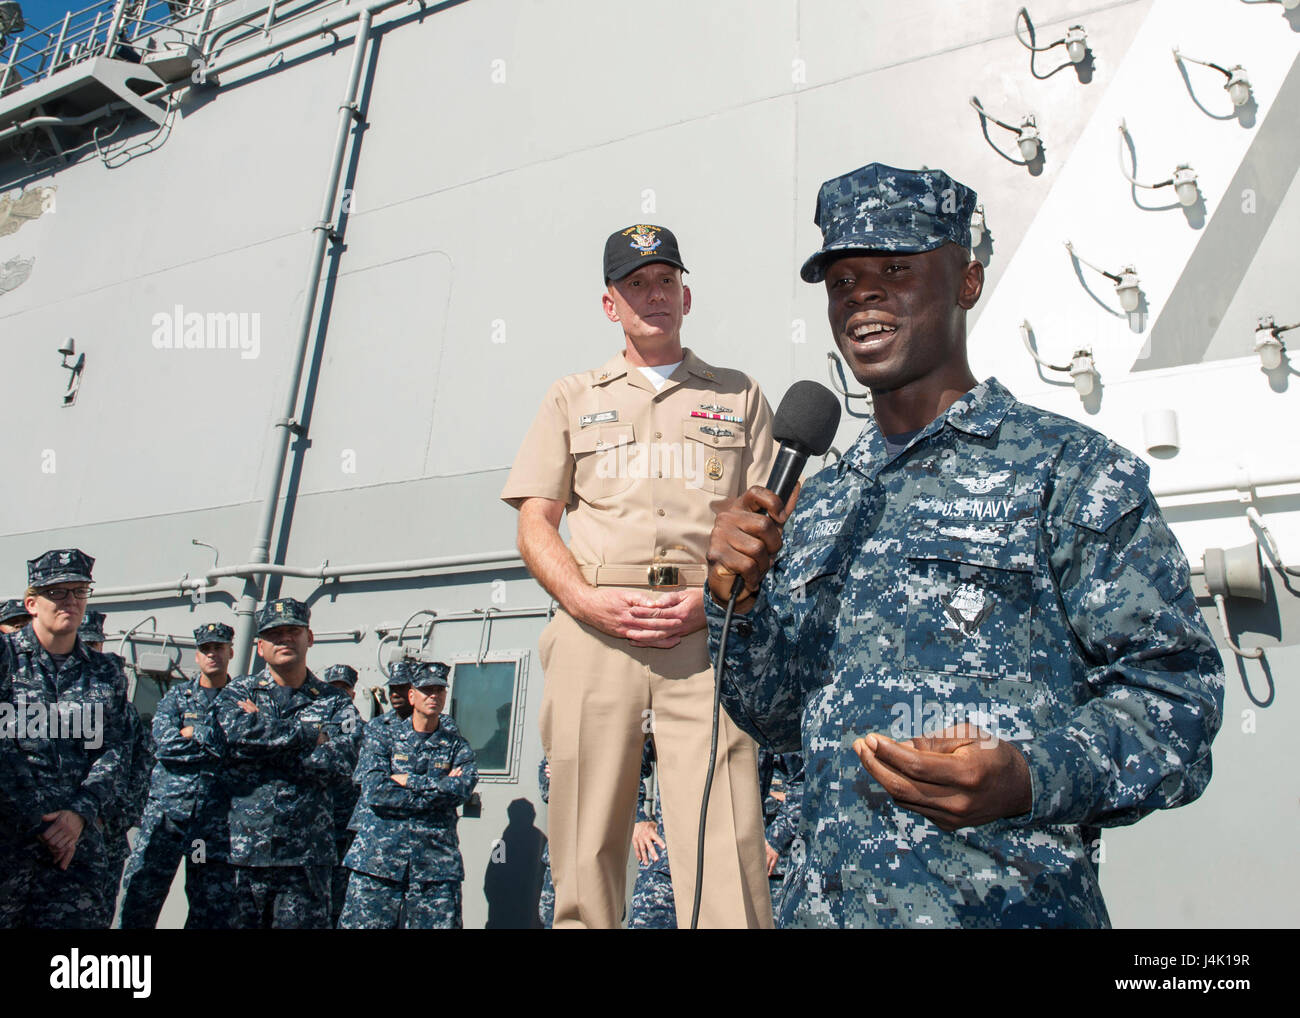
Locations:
{"points": [[102, 29]]}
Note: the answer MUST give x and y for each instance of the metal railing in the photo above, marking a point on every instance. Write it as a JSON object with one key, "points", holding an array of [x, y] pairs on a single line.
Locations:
{"points": [[129, 30], [120, 28]]}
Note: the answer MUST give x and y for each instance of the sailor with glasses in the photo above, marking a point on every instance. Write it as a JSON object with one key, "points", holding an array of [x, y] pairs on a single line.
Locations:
{"points": [[64, 754]]}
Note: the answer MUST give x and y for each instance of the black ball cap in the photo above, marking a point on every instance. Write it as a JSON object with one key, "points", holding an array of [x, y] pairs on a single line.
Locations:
{"points": [[807, 417], [627, 250]]}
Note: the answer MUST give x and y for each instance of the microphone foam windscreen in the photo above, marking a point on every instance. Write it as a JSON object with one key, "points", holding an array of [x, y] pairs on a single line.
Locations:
{"points": [[807, 417]]}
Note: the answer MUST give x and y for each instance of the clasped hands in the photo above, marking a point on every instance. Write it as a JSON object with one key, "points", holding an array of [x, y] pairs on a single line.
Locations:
{"points": [[645, 620]]}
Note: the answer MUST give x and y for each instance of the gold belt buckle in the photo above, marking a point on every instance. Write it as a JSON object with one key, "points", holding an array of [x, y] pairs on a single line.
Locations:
{"points": [[664, 576]]}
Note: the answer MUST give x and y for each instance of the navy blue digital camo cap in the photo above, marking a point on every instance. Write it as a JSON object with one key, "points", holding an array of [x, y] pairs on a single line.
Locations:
{"points": [[213, 632], [425, 674], [399, 673], [91, 629], [283, 611], [62, 565], [345, 674], [13, 609], [883, 208]]}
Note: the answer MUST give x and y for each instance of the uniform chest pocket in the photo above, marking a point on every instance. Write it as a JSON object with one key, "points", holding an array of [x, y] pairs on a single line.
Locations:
{"points": [[969, 608], [713, 456], [810, 565], [604, 460]]}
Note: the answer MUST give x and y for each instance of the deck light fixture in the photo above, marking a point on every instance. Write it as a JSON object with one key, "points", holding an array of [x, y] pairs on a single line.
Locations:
{"points": [[1237, 86], [1127, 285], [1076, 43], [977, 225], [1075, 39], [1082, 369], [1028, 139], [1027, 135], [1183, 180], [1268, 342]]}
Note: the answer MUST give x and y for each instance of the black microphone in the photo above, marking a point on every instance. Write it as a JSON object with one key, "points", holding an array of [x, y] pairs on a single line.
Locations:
{"points": [[804, 426]]}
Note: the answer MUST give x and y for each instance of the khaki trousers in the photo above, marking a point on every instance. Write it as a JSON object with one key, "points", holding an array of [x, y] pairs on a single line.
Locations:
{"points": [[603, 697]]}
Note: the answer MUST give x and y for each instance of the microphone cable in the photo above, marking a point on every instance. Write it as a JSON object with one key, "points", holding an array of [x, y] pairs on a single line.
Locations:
{"points": [[736, 588]]}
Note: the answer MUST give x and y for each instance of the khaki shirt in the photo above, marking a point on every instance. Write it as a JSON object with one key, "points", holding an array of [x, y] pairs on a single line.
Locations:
{"points": [[641, 478]]}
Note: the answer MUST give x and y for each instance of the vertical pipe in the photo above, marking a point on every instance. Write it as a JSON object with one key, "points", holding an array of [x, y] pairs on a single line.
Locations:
{"points": [[286, 425]]}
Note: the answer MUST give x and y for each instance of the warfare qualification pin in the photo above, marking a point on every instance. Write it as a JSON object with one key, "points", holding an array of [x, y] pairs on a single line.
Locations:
{"points": [[713, 468]]}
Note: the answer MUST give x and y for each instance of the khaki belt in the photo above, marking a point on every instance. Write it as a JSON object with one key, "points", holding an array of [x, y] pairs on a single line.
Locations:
{"points": [[658, 575]]}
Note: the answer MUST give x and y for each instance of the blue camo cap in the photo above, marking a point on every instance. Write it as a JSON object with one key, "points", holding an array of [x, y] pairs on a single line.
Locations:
{"points": [[427, 674], [91, 629], [62, 565], [883, 208], [283, 611], [12, 609], [399, 672], [340, 673], [213, 632]]}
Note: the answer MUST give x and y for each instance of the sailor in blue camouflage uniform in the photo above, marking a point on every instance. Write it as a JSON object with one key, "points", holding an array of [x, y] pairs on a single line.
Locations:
{"points": [[289, 739], [346, 792], [117, 822], [178, 821], [780, 783], [406, 864], [91, 630], [13, 615], [64, 754], [546, 901], [399, 687], [970, 559], [652, 906]]}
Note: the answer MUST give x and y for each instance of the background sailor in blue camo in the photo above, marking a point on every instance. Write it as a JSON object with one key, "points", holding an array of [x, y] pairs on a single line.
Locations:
{"points": [[179, 821], [971, 559], [91, 630], [13, 615], [406, 863], [652, 906], [117, 821], [55, 789], [344, 679], [130, 810], [289, 738], [546, 902], [399, 687], [780, 783]]}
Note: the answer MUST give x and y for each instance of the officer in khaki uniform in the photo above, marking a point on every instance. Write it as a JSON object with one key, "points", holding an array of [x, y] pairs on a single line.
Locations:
{"points": [[642, 453]]}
